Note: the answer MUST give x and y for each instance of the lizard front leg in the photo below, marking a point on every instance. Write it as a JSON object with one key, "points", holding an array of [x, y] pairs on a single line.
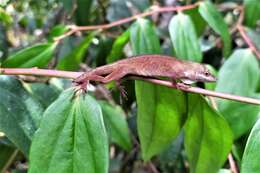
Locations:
{"points": [[83, 80], [180, 85]]}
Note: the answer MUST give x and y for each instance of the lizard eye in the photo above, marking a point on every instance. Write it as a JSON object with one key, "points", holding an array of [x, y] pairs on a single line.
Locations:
{"points": [[207, 73]]}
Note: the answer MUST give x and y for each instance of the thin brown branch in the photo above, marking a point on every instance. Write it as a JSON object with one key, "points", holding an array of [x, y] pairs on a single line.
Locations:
{"points": [[153, 10], [232, 163], [248, 41], [204, 91], [240, 28], [39, 72], [152, 167], [73, 75]]}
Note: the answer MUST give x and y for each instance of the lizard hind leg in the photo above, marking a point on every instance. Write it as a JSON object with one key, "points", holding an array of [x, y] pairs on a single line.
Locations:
{"points": [[121, 89], [117, 75]]}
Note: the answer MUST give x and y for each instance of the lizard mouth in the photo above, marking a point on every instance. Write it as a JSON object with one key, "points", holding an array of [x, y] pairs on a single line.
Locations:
{"points": [[187, 81]]}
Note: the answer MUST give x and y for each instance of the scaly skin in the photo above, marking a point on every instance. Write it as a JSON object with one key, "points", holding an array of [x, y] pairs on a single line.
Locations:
{"points": [[151, 66]]}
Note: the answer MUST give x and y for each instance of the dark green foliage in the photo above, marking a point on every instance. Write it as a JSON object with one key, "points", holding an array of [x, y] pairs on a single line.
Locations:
{"points": [[47, 127]]}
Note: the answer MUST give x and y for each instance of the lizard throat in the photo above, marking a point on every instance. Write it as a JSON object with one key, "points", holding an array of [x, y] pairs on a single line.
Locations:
{"points": [[187, 81]]}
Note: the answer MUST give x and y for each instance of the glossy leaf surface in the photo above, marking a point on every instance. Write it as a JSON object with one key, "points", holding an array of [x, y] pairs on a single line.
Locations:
{"points": [[71, 137], [250, 161], [184, 38], [118, 46], [161, 110], [35, 56], [206, 132], [239, 76], [252, 12], [19, 113], [74, 58]]}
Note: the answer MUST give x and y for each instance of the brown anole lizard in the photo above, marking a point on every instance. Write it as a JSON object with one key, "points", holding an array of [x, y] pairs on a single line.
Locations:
{"points": [[152, 66]]}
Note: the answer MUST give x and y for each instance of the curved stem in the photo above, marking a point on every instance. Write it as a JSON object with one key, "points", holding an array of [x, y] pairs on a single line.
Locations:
{"points": [[73, 75]]}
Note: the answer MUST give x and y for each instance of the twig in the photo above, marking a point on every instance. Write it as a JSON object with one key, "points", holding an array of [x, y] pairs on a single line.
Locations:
{"points": [[10, 160], [204, 91], [230, 157], [39, 72], [73, 75], [154, 10], [241, 30], [232, 163], [152, 167], [248, 41]]}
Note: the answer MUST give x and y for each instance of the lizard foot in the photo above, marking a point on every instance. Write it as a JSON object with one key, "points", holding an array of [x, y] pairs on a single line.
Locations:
{"points": [[121, 89], [181, 86], [81, 85]]}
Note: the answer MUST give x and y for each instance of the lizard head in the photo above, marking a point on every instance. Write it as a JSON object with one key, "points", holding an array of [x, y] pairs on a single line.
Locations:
{"points": [[197, 73]]}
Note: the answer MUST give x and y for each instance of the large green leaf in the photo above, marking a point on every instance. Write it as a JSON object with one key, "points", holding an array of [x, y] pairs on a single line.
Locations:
{"points": [[252, 12], [116, 125], [239, 75], [184, 38], [251, 157], [160, 117], [19, 113], [117, 49], [73, 59], [161, 114], [208, 138], [216, 21], [35, 56], [71, 138]]}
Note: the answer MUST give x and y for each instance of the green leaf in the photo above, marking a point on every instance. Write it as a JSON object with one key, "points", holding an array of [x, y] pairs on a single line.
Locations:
{"points": [[71, 138], [35, 56], [217, 23], [143, 37], [184, 38], [159, 116], [239, 76], [57, 31], [198, 21], [118, 46], [5, 17], [72, 60], [116, 125], [44, 93], [252, 12], [206, 132], [83, 11], [19, 113], [251, 157]]}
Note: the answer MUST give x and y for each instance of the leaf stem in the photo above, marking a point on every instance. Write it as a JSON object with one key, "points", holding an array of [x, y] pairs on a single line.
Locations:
{"points": [[153, 10], [73, 75], [240, 28]]}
